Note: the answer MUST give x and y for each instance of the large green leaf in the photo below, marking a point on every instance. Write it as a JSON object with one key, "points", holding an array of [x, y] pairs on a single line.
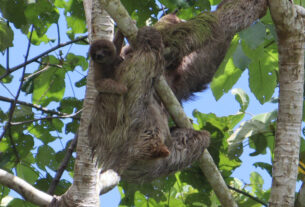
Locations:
{"points": [[41, 14], [6, 36], [72, 61], [13, 11], [42, 133], [49, 85], [262, 72], [75, 17], [227, 74], [257, 125]]}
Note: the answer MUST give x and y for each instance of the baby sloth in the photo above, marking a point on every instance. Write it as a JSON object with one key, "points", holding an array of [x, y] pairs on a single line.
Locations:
{"points": [[121, 130], [106, 61]]}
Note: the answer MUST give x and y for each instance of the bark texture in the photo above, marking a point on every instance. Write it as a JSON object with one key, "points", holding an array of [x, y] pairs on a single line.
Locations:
{"points": [[85, 188], [290, 33]]}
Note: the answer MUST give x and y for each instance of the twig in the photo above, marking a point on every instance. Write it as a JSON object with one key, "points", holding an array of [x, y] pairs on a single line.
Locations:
{"points": [[63, 165], [38, 72], [248, 195], [47, 118], [9, 71], [40, 108], [13, 104]]}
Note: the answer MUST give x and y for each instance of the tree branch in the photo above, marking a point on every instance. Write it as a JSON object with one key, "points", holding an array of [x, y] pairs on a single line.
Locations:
{"points": [[62, 166], [25, 189], [13, 104], [9, 71], [49, 118], [248, 195], [40, 108]]}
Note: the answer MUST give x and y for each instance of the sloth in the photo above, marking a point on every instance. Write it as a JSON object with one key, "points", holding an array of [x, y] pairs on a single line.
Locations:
{"points": [[105, 61], [120, 127], [129, 131]]}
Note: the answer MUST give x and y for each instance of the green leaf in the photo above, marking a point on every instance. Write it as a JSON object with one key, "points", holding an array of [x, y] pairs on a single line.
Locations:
{"points": [[42, 133], [262, 72], [226, 164], [6, 36], [49, 85], [70, 105], [45, 156], [242, 98], [141, 200], [23, 113], [82, 82], [257, 125], [222, 123], [72, 126], [13, 11], [8, 78], [27, 173], [37, 40], [266, 117], [62, 187], [44, 183], [215, 2], [41, 14], [254, 36], [72, 61], [75, 16], [259, 143], [257, 183], [264, 166], [240, 59], [20, 203], [25, 144], [227, 74]]}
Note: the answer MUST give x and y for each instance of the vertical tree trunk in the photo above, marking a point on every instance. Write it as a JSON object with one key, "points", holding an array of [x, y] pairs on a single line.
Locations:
{"points": [[291, 79], [86, 187]]}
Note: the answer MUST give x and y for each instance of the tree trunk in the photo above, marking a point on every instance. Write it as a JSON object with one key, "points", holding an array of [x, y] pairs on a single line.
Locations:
{"points": [[289, 27], [86, 186]]}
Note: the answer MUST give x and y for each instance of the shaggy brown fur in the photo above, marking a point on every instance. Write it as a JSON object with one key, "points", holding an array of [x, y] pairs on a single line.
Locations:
{"points": [[106, 61], [121, 130], [129, 132]]}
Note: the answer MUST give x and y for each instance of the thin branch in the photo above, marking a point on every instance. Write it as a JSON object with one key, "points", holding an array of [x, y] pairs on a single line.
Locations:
{"points": [[248, 195], [63, 166], [75, 116], [8, 90], [13, 104], [25, 189], [40, 108], [38, 72], [8, 52], [9, 71]]}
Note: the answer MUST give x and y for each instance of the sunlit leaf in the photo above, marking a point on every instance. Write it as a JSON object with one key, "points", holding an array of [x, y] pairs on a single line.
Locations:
{"points": [[6, 36], [227, 74], [242, 98]]}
